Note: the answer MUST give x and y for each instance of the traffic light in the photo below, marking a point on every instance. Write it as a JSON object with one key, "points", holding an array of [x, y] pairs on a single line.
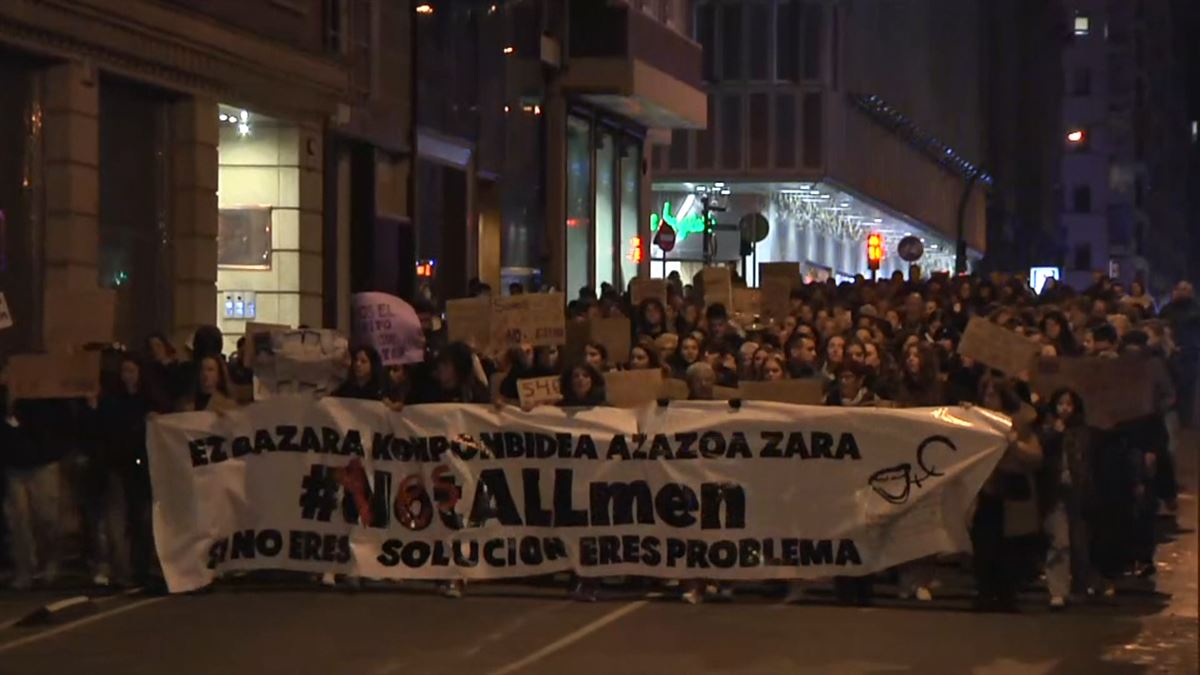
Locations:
{"points": [[874, 250]]}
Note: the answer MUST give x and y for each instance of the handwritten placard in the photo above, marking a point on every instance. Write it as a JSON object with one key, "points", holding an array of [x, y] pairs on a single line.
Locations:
{"points": [[802, 391], [72, 319], [642, 288], [1113, 390], [613, 334], [73, 375], [675, 390], [633, 388], [535, 318], [787, 271], [390, 325], [533, 391], [6, 320], [717, 286], [776, 297], [747, 301], [469, 320], [998, 347]]}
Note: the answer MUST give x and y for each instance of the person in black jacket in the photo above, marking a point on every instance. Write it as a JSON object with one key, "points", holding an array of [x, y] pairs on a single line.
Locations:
{"points": [[34, 437], [117, 421], [367, 378], [582, 385]]}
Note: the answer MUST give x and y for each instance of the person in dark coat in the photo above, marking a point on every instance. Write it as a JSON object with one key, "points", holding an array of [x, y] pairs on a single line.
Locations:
{"points": [[367, 379], [117, 423], [582, 386]]}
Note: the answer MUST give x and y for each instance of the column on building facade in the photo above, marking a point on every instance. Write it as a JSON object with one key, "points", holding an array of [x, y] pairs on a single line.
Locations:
{"points": [[72, 177], [311, 205], [194, 213]]}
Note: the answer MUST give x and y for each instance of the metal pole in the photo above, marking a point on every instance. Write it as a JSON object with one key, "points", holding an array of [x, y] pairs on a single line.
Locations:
{"points": [[960, 248]]}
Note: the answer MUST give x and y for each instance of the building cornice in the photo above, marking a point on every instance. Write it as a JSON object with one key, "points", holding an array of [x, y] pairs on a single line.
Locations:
{"points": [[179, 50]]}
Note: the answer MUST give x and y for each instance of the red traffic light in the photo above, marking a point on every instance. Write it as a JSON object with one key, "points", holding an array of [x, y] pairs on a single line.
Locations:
{"points": [[874, 250]]}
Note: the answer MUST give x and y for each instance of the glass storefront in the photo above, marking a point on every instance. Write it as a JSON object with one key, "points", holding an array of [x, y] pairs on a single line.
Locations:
{"points": [[258, 236], [603, 172]]}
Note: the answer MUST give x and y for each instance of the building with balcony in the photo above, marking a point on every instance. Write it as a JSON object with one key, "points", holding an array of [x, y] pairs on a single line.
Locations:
{"points": [[213, 162], [833, 120]]}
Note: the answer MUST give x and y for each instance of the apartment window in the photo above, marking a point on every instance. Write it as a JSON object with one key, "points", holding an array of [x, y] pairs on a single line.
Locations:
{"points": [[1081, 81], [1082, 25], [785, 131], [812, 41], [759, 130], [706, 36], [731, 42], [1081, 199], [812, 129], [731, 132], [760, 43], [787, 42], [1083, 257]]}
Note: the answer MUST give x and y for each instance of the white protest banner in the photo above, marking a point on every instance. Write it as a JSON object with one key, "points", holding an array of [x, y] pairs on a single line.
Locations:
{"points": [[390, 325], [997, 347], [302, 362], [6, 320], [688, 490], [533, 391]]}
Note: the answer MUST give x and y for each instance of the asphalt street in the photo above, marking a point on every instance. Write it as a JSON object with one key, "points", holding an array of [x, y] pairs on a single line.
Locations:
{"points": [[500, 629]]}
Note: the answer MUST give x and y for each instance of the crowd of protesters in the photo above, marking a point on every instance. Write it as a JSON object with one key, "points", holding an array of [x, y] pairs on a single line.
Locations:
{"points": [[1074, 503]]}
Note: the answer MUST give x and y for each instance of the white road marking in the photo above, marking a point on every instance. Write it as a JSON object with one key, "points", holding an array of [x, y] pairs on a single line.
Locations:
{"points": [[58, 630], [571, 638]]}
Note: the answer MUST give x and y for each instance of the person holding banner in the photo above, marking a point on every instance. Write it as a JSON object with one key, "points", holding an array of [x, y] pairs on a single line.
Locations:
{"points": [[210, 392], [366, 380], [1003, 509], [685, 355], [117, 423], [1066, 496]]}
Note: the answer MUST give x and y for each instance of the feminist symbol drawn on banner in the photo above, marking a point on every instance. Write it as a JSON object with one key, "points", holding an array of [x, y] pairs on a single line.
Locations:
{"points": [[895, 483]]}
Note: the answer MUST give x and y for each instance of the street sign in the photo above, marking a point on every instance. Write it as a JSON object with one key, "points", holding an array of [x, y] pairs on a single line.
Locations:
{"points": [[754, 227], [910, 249], [664, 238]]}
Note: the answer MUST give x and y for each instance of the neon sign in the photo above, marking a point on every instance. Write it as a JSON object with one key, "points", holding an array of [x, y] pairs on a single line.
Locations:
{"points": [[692, 223]]}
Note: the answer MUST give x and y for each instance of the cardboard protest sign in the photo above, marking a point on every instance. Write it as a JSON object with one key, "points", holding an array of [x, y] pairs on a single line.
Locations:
{"points": [[613, 333], [803, 391], [747, 301], [633, 388], [73, 375], [390, 325], [998, 348], [536, 318], [6, 320], [469, 320], [716, 286], [72, 319], [258, 335], [726, 393], [533, 391], [675, 390], [776, 297], [642, 288], [1113, 390], [787, 271], [303, 362]]}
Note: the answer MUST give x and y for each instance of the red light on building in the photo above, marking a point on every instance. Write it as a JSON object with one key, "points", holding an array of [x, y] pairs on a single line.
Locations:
{"points": [[635, 250], [874, 250]]}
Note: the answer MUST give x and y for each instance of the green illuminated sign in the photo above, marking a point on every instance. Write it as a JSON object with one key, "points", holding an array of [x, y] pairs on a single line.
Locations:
{"points": [[692, 223]]}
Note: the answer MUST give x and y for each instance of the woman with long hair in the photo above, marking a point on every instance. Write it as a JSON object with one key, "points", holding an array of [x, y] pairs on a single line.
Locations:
{"points": [[1066, 495], [685, 355], [211, 388]]}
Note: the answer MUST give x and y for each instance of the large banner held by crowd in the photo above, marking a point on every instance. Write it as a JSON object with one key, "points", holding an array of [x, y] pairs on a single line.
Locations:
{"points": [[686, 490]]}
